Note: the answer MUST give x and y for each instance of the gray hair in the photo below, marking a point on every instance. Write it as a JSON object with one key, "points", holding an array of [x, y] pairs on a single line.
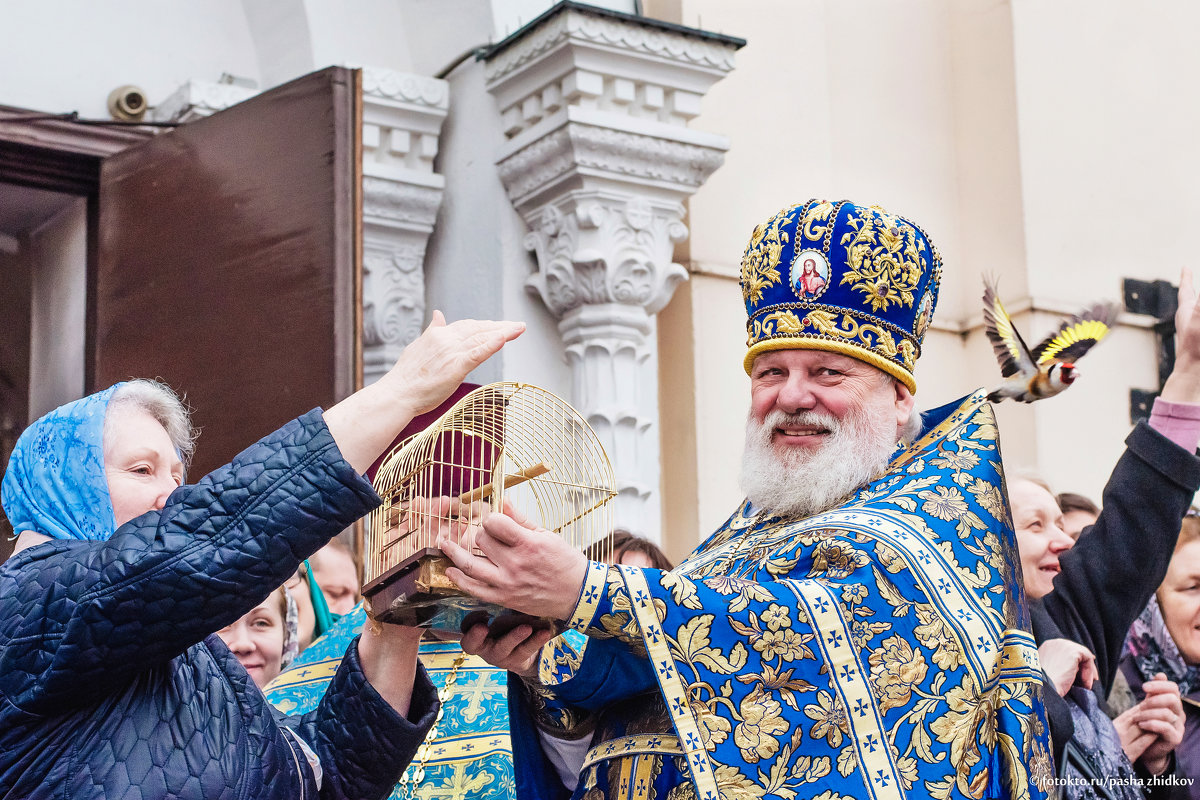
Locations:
{"points": [[912, 426], [1029, 475], [160, 402]]}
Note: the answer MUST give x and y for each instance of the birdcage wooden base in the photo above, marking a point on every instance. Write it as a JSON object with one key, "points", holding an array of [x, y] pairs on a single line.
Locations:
{"points": [[418, 594]]}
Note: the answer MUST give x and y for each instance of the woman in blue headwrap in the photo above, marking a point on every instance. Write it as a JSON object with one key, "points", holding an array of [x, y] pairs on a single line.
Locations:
{"points": [[111, 684]]}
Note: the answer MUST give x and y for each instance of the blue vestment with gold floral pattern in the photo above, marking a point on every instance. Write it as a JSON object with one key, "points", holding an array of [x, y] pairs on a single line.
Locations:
{"points": [[878, 650], [469, 757]]}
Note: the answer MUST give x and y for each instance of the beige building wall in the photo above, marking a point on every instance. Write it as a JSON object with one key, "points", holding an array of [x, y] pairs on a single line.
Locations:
{"points": [[1045, 143]]}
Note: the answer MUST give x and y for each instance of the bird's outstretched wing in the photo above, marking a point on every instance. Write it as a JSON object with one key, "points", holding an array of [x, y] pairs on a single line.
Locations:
{"points": [[1011, 350], [1077, 335]]}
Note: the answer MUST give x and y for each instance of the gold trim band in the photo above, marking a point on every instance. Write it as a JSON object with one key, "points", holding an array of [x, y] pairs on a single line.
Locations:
{"points": [[819, 343], [594, 582], [669, 680], [469, 747], [663, 744], [848, 680]]}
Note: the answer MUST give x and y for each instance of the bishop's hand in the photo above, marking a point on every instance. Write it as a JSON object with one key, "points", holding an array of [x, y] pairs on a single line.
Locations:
{"points": [[524, 568], [516, 651]]}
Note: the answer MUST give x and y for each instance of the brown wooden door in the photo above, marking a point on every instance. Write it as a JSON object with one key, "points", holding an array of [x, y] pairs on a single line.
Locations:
{"points": [[227, 262]]}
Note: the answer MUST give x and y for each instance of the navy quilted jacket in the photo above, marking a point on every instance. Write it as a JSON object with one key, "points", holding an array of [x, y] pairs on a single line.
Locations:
{"points": [[111, 685]]}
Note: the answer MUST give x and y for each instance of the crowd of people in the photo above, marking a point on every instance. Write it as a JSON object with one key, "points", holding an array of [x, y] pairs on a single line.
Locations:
{"points": [[885, 614]]}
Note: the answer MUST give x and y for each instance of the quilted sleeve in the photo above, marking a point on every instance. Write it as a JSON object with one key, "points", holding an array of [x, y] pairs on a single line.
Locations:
{"points": [[80, 620], [363, 744]]}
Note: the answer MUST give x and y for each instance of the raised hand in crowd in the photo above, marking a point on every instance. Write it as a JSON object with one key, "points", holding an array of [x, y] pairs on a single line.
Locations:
{"points": [[427, 372]]}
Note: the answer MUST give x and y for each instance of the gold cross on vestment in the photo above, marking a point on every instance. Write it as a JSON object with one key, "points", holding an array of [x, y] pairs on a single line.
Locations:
{"points": [[459, 786], [485, 685]]}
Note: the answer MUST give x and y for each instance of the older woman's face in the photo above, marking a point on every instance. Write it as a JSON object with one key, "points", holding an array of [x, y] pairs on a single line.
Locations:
{"points": [[1179, 599], [140, 463], [256, 640], [1040, 536]]}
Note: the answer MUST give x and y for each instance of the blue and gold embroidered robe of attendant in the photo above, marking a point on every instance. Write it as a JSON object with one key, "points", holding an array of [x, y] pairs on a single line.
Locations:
{"points": [[878, 650], [469, 758]]}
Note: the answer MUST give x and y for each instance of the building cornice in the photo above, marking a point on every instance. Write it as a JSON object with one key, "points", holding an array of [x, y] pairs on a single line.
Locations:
{"points": [[196, 99], [578, 149], [603, 26], [420, 90]]}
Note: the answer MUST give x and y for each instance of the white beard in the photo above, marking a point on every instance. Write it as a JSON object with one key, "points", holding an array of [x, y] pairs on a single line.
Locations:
{"points": [[795, 482]]}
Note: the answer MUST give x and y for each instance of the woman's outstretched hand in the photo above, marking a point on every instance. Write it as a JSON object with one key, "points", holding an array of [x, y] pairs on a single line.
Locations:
{"points": [[432, 367], [427, 372]]}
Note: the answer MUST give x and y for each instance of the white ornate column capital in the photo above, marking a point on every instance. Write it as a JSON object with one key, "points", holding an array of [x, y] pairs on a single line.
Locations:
{"points": [[598, 162], [605, 252], [402, 121], [595, 106]]}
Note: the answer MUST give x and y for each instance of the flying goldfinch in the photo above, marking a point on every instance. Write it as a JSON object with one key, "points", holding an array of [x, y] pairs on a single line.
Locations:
{"points": [[1050, 367]]}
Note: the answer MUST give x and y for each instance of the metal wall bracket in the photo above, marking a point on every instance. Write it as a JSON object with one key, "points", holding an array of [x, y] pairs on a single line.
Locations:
{"points": [[1158, 299]]}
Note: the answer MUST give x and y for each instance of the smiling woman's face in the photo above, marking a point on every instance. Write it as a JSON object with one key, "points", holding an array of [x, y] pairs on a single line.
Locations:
{"points": [[1040, 535], [257, 640]]}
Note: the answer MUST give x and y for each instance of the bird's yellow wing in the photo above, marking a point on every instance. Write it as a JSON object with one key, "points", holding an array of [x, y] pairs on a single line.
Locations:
{"points": [[1077, 335], [1011, 350]]}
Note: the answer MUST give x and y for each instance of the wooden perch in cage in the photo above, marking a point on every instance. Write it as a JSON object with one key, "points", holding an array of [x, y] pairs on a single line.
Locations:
{"points": [[396, 514], [485, 491]]}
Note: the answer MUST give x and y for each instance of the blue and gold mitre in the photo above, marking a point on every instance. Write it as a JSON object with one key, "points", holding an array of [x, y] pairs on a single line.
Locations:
{"points": [[841, 277]]}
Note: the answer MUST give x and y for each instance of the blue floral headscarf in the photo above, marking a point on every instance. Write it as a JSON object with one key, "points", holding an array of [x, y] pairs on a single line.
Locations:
{"points": [[55, 483]]}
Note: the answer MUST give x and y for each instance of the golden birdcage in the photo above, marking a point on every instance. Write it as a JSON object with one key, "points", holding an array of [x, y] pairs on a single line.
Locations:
{"points": [[505, 443]]}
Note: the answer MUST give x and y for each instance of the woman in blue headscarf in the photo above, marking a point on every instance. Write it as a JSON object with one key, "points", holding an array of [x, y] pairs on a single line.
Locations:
{"points": [[111, 684]]}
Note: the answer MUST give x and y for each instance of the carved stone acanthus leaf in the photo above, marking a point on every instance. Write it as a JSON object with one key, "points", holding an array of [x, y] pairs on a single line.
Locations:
{"points": [[393, 295], [622, 153], [602, 254], [406, 87], [583, 27], [402, 203]]}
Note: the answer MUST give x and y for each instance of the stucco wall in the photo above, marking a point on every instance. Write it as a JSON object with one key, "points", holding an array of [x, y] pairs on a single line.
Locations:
{"points": [[1048, 152], [70, 54]]}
